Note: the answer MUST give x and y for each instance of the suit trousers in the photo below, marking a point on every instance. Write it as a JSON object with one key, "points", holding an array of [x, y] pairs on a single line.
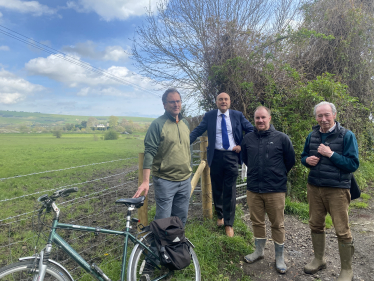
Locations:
{"points": [[332, 200], [223, 175], [272, 204]]}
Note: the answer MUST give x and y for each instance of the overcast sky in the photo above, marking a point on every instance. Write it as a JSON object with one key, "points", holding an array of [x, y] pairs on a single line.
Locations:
{"points": [[96, 32]]}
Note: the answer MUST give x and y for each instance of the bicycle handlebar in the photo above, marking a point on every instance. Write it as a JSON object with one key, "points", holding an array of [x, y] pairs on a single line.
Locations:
{"points": [[59, 193], [64, 192]]}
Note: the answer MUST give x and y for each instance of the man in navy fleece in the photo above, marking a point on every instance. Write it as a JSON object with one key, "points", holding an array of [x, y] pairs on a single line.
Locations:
{"points": [[331, 153]]}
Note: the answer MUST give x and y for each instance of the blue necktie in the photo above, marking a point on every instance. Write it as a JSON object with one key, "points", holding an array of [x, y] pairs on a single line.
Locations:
{"points": [[225, 136]]}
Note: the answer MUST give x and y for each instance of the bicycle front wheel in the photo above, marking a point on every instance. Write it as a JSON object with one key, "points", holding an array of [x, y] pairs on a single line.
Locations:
{"points": [[21, 271], [140, 267]]}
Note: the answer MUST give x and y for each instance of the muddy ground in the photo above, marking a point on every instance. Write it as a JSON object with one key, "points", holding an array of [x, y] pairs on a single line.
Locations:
{"points": [[298, 249]]}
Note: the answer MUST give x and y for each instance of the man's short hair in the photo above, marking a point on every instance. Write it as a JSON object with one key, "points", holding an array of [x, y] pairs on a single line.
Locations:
{"points": [[333, 108], [169, 91], [264, 107]]}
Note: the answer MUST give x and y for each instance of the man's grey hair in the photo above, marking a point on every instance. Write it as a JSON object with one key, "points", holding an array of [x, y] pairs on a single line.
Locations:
{"points": [[169, 91], [333, 108]]}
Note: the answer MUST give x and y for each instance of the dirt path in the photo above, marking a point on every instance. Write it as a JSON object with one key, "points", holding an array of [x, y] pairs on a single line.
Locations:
{"points": [[298, 249]]}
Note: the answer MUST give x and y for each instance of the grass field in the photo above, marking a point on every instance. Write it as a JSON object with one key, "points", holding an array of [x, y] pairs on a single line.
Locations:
{"points": [[30, 118], [23, 154], [99, 185]]}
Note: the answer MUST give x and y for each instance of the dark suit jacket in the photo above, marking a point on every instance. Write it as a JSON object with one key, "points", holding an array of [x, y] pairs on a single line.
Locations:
{"points": [[209, 122]]}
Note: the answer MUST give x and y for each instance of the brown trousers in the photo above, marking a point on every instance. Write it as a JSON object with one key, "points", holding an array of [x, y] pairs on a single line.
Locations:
{"points": [[332, 200], [273, 204]]}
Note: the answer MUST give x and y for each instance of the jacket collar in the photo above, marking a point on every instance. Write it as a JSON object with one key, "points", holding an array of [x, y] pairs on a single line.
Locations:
{"points": [[168, 115], [337, 127], [264, 133]]}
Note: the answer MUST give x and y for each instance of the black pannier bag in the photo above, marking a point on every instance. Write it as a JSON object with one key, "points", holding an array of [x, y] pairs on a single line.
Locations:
{"points": [[171, 243]]}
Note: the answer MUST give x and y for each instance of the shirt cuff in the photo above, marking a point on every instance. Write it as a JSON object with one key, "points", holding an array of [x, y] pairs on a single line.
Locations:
{"points": [[331, 154]]}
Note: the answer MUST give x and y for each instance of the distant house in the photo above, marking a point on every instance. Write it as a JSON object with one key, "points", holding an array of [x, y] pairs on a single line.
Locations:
{"points": [[100, 126]]}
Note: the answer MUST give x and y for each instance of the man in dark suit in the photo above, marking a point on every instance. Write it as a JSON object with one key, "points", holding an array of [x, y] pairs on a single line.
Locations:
{"points": [[225, 134]]}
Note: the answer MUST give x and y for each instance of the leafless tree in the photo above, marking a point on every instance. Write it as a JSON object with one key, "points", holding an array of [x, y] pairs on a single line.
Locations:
{"points": [[178, 44]]}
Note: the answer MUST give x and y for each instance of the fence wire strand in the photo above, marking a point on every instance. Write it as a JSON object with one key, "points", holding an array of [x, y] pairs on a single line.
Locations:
{"points": [[59, 170]]}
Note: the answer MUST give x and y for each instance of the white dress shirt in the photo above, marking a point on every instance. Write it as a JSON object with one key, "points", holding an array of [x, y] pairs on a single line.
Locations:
{"points": [[219, 131]]}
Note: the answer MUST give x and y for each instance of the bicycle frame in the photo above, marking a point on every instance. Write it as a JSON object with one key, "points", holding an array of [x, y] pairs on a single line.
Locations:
{"points": [[59, 241]]}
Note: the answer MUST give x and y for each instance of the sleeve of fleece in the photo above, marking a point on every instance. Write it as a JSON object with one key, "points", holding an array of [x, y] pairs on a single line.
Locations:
{"points": [[151, 143], [348, 161]]}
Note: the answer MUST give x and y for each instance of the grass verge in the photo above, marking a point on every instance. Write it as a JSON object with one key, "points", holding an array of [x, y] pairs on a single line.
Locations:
{"points": [[220, 257]]}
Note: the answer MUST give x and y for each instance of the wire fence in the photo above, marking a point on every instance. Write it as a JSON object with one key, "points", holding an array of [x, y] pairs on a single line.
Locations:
{"points": [[93, 206]]}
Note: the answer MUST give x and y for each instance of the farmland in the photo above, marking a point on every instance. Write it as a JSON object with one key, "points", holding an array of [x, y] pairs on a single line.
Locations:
{"points": [[32, 118], [35, 164]]}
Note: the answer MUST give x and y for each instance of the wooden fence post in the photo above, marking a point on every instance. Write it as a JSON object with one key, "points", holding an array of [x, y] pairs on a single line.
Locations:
{"points": [[142, 211], [197, 175], [206, 186]]}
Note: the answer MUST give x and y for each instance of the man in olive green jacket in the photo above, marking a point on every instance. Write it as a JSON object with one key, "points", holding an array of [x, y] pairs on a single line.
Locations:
{"points": [[167, 153]]}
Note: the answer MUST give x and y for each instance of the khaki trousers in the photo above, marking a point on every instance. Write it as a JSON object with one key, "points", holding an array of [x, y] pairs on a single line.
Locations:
{"points": [[332, 200], [273, 204]]}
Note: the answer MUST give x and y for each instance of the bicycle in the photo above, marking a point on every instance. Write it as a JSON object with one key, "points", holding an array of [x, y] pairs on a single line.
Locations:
{"points": [[142, 258]]}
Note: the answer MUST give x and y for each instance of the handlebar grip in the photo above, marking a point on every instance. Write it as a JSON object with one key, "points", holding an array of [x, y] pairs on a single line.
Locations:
{"points": [[66, 192], [70, 190]]}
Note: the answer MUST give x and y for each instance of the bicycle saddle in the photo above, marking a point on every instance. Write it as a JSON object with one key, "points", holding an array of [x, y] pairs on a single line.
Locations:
{"points": [[138, 202]]}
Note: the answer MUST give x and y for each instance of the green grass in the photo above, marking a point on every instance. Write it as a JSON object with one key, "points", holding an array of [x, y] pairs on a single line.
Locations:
{"points": [[23, 154], [302, 211], [33, 153], [220, 256], [365, 196], [359, 205], [28, 153], [32, 118]]}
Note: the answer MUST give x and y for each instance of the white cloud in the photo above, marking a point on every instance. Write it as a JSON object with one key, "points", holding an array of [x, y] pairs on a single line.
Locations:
{"points": [[114, 53], [33, 7], [104, 91], [14, 89], [74, 75], [1, 14], [112, 9], [4, 48], [88, 49]]}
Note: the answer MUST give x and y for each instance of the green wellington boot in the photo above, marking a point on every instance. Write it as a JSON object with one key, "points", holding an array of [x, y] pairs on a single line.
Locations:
{"points": [[346, 251], [258, 253], [319, 261]]}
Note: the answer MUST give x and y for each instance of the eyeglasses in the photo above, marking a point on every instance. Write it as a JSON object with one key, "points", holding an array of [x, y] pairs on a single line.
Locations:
{"points": [[172, 102]]}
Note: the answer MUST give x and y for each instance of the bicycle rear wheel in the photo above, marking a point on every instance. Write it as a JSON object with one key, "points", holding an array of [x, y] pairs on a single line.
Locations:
{"points": [[20, 271], [140, 268]]}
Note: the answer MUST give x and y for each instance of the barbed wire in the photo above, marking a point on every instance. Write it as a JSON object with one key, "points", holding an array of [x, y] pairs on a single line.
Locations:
{"points": [[60, 187], [59, 170], [62, 203]]}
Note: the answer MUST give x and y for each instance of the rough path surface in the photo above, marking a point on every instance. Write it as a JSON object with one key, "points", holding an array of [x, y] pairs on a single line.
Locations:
{"points": [[299, 251]]}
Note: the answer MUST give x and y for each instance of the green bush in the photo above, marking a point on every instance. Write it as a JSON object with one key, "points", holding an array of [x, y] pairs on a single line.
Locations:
{"points": [[111, 135], [57, 134]]}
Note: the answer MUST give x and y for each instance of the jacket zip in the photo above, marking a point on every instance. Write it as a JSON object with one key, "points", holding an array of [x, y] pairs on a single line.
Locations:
{"points": [[179, 133]]}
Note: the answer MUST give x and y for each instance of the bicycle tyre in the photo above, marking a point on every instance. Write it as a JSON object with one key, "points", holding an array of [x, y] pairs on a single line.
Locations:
{"points": [[19, 271], [138, 269]]}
